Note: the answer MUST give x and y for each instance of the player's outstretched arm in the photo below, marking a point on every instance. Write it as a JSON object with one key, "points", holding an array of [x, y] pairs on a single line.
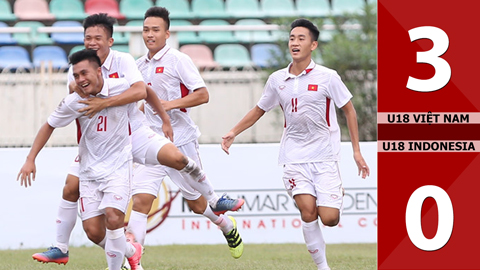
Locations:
{"points": [[155, 102], [136, 92], [28, 170], [352, 124], [247, 121], [198, 97]]}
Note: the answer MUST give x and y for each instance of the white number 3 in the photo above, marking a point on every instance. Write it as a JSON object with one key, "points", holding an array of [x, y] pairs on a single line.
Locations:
{"points": [[442, 68]]}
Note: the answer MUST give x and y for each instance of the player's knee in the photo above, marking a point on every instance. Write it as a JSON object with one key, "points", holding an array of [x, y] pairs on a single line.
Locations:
{"points": [[309, 215], [330, 220], [141, 203], [95, 233], [71, 190]]}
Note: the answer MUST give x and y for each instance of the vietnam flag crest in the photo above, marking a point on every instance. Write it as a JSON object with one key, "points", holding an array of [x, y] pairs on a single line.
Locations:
{"points": [[159, 70], [113, 75], [312, 87]]}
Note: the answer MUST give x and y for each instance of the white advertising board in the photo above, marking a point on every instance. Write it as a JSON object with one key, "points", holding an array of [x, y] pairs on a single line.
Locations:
{"points": [[27, 215]]}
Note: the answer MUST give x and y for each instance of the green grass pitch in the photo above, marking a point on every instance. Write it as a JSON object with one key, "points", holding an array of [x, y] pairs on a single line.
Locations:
{"points": [[176, 257]]}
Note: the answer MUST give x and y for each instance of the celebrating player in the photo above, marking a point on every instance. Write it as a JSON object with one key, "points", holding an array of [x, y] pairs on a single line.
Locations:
{"points": [[105, 155], [310, 145]]}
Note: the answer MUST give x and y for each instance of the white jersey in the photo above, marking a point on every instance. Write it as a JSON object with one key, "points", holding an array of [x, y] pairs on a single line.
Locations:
{"points": [[120, 65], [311, 131], [172, 75], [104, 144]]}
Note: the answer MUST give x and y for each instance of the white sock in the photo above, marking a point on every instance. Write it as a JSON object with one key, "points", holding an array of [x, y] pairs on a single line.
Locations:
{"points": [[222, 221], [137, 224], [197, 178], [315, 243], [115, 248], [66, 219], [102, 243]]}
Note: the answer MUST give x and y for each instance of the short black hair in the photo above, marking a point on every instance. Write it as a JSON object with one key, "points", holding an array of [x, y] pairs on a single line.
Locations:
{"points": [[85, 54], [314, 33], [160, 12], [100, 19]]}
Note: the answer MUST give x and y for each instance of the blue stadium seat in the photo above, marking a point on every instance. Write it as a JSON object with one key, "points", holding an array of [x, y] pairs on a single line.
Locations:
{"points": [[257, 36], [14, 57], [6, 11], [216, 36], [209, 9], [179, 9], [185, 37], [278, 8], [34, 37], [266, 55], [313, 8], [67, 38], [6, 38], [243, 9], [45, 54], [232, 55], [135, 9]]}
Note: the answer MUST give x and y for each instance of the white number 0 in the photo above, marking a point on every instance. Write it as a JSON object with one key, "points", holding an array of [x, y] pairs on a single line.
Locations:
{"points": [[413, 218], [442, 68]]}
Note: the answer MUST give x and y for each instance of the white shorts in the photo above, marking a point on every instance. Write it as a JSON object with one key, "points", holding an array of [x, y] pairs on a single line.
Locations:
{"points": [[148, 179], [146, 144], [75, 167], [112, 191], [320, 179]]}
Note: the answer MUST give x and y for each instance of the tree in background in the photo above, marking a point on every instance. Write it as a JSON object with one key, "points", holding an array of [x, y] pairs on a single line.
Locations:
{"points": [[350, 49]]}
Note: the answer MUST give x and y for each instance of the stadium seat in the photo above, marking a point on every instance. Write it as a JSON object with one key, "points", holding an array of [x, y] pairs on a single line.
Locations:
{"points": [[257, 36], [201, 56], [14, 57], [216, 36], [209, 9], [179, 9], [132, 23], [243, 9], [45, 54], [339, 7], [68, 9], [185, 37], [34, 37], [119, 37], [104, 6], [232, 55], [135, 9], [278, 8], [265, 55], [6, 38], [76, 49], [33, 10], [68, 38], [313, 8], [6, 13]]}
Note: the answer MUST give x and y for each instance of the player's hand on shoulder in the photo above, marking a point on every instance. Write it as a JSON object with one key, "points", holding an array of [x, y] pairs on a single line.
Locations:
{"points": [[27, 173], [94, 105], [363, 168]]}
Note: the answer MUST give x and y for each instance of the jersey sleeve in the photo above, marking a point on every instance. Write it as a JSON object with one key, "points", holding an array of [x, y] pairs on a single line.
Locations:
{"points": [[338, 91], [269, 99], [188, 73], [70, 78], [129, 69], [66, 112]]}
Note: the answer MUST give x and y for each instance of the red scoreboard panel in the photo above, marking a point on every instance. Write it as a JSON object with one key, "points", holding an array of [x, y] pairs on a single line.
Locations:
{"points": [[428, 134]]}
